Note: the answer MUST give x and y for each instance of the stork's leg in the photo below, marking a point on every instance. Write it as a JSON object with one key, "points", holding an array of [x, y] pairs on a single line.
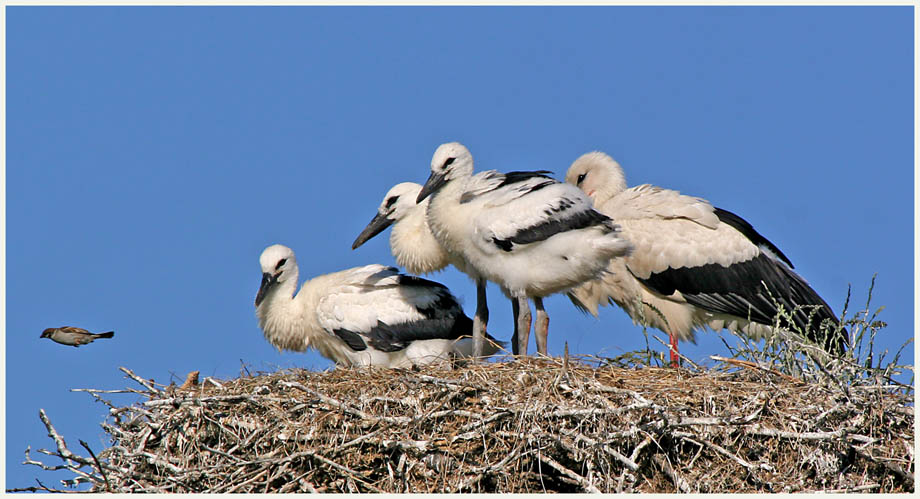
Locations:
{"points": [[521, 337], [675, 359], [481, 319], [541, 328]]}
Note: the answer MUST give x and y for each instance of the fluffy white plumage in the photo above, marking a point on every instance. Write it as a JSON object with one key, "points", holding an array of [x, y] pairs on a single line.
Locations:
{"points": [[684, 243], [364, 316], [411, 241], [525, 231]]}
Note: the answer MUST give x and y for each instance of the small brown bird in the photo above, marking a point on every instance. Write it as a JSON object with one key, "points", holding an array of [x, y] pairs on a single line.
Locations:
{"points": [[191, 381], [74, 336]]}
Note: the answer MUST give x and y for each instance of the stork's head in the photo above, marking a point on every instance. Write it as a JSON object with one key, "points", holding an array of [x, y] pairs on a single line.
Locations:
{"points": [[396, 204], [278, 266], [450, 161], [599, 175]]}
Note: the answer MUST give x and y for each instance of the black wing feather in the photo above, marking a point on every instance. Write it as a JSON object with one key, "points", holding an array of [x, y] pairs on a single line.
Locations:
{"points": [[515, 177], [744, 290], [443, 318], [561, 218], [352, 339], [549, 228]]}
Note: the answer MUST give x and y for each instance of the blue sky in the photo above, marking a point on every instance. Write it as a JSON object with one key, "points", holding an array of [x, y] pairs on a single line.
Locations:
{"points": [[152, 153]]}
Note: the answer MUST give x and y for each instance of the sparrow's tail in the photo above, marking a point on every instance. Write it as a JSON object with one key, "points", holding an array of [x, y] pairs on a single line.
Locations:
{"points": [[106, 335]]}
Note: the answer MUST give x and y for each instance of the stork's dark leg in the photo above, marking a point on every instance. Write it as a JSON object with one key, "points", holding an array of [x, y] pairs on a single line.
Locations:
{"points": [[481, 319], [541, 328], [521, 337]]}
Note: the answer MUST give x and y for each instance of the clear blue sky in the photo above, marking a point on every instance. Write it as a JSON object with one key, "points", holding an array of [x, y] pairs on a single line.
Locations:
{"points": [[152, 153]]}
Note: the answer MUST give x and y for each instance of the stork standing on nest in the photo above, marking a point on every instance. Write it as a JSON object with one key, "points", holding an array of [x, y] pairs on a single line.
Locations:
{"points": [[528, 233], [365, 316], [694, 265], [411, 241]]}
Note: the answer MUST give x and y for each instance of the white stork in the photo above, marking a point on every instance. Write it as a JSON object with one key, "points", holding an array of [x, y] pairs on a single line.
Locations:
{"points": [[694, 265], [411, 241], [528, 233], [365, 316]]}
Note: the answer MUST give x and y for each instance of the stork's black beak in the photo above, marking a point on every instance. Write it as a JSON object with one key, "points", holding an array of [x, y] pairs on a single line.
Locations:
{"points": [[435, 182], [377, 225], [268, 281]]}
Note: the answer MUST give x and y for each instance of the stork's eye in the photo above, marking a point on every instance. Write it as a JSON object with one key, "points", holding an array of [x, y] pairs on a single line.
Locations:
{"points": [[391, 201], [581, 178], [448, 162], [280, 263]]}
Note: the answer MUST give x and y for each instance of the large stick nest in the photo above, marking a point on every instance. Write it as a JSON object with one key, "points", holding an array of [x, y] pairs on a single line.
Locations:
{"points": [[531, 425]]}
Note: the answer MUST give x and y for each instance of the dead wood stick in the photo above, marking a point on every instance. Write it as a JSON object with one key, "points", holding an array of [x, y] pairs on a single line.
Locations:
{"points": [[672, 350], [247, 482], [858, 488], [449, 412], [589, 412], [81, 475], [356, 441], [665, 466], [350, 472], [153, 458], [199, 401], [62, 451], [220, 453], [696, 440], [345, 407], [906, 477], [638, 449], [424, 378], [807, 435], [480, 473], [58, 439], [311, 454], [751, 365], [475, 424], [643, 402], [629, 463], [108, 486], [42, 487], [148, 384], [632, 458], [585, 484], [123, 390], [45, 467]]}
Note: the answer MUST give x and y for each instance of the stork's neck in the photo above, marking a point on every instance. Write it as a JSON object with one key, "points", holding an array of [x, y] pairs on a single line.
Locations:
{"points": [[447, 223], [414, 246], [614, 185], [281, 316]]}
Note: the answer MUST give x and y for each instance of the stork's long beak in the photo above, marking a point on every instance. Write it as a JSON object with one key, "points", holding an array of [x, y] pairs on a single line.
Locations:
{"points": [[378, 223], [268, 281], [435, 182]]}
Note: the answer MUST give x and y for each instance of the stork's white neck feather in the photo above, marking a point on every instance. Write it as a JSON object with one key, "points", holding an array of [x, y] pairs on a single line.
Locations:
{"points": [[414, 246], [448, 225], [281, 316], [289, 321]]}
